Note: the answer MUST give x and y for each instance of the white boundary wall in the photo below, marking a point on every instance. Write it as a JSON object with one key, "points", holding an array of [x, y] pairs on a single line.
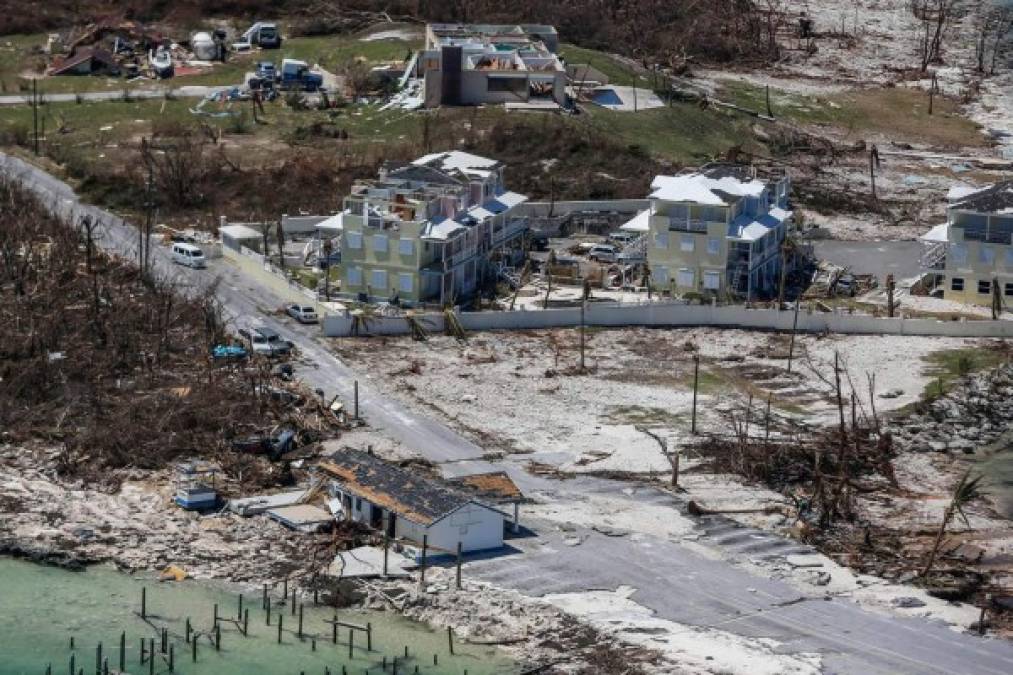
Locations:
{"points": [[679, 315]]}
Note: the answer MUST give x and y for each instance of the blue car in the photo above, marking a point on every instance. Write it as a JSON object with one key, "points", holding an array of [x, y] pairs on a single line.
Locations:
{"points": [[229, 352]]}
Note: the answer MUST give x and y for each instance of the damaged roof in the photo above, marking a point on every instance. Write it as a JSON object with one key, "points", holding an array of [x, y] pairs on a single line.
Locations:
{"points": [[406, 493], [496, 486], [997, 198], [468, 164]]}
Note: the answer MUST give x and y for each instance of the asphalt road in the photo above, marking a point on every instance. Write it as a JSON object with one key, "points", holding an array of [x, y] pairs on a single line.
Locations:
{"points": [[136, 94], [672, 579], [899, 258]]}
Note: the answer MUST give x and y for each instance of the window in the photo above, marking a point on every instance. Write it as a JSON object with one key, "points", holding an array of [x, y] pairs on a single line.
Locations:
{"points": [[984, 287], [354, 240], [660, 275], [712, 280], [688, 243], [1008, 289], [959, 254], [713, 246], [684, 278], [986, 254], [956, 284], [380, 243], [406, 283], [354, 276], [661, 240], [406, 247], [378, 279]]}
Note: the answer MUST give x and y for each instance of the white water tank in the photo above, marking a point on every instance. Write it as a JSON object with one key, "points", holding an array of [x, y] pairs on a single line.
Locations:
{"points": [[203, 46]]}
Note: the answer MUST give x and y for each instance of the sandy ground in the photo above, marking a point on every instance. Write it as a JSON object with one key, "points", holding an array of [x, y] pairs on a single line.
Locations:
{"points": [[516, 390]]}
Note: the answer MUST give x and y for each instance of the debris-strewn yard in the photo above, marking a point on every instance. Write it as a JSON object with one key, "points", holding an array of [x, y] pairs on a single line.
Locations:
{"points": [[865, 478]]}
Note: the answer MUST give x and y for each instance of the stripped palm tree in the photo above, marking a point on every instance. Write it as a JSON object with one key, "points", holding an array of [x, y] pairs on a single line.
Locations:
{"points": [[968, 490]]}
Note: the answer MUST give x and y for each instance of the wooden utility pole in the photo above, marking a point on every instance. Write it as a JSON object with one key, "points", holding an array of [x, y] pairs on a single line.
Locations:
{"points": [[932, 91], [794, 328], [890, 288], [35, 115], [696, 386], [873, 165]]}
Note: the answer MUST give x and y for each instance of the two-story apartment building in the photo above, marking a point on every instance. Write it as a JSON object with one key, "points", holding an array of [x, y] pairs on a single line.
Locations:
{"points": [[717, 231], [971, 254], [429, 231], [474, 64]]}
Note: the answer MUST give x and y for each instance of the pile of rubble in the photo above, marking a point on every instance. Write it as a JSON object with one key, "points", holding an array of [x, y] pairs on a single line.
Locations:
{"points": [[971, 416], [534, 632]]}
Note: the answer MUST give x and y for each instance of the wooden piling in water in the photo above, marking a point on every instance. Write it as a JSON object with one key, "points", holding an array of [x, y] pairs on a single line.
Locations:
{"points": [[369, 636], [218, 637], [281, 618], [313, 645], [299, 632], [144, 602], [151, 656], [246, 622], [450, 639], [351, 642], [186, 635], [142, 651], [239, 614], [123, 652], [263, 598], [293, 602], [105, 665], [269, 611], [172, 659], [458, 565], [98, 659], [193, 649], [216, 615], [71, 664]]}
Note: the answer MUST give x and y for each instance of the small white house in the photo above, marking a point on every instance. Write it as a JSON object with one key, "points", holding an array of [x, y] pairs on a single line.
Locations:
{"points": [[408, 505]]}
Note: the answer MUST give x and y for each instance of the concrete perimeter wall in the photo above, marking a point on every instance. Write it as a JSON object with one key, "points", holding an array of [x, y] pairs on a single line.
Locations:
{"points": [[679, 315]]}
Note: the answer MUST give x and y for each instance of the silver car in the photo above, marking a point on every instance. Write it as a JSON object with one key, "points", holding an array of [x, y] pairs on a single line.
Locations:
{"points": [[302, 313]]}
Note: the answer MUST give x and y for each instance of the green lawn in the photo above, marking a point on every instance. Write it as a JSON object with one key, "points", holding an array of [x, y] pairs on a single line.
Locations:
{"points": [[896, 112], [19, 54], [949, 365], [617, 71]]}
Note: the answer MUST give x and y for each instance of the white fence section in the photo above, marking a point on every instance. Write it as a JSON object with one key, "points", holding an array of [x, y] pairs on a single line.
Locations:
{"points": [[674, 315]]}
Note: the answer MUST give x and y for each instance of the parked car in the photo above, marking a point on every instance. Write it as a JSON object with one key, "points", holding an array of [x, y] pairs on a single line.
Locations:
{"points": [[189, 255], [228, 353], [302, 313], [266, 342], [602, 253], [622, 237], [266, 71]]}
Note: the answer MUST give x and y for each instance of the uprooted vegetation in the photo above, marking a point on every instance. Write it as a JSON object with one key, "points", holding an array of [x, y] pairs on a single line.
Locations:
{"points": [[113, 368]]}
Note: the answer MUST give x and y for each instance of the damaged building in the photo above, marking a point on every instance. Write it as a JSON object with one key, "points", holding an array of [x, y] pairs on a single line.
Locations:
{"points": [[430, 231], [408, 505], [478, 64], [716, 231], [970, 256]]}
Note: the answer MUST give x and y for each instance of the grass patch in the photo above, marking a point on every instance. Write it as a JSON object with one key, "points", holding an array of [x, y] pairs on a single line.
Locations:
{"points": [[896, 112], [643, 416], [949, 365], [618, 72]]}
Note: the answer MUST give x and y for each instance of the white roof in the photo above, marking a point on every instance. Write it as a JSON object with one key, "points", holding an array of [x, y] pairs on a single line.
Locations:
{"points": [[958, 192], [700, 189], [748, 229], [239, 232], [462, 161], [937, 233], [335, 223], [442, 230], [639, 222], [511, 199]]}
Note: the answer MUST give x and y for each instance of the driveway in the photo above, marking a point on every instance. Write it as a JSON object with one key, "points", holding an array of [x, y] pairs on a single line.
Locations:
{"points": [[899, 258]]}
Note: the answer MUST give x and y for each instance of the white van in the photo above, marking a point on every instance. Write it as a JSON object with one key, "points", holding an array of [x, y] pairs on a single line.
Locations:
{"points": [[189, 255]]}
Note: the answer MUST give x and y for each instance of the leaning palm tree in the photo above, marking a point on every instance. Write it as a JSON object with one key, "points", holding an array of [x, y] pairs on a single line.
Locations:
{"points": [[968, 490]]}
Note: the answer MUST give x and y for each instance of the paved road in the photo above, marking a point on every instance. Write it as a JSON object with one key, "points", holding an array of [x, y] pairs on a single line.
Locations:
{"points": [[137, 94], [899, 258], [675, 582]]}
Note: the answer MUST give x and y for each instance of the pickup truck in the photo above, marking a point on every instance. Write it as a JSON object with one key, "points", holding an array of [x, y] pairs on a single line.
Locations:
{"points": [[266, 342]]}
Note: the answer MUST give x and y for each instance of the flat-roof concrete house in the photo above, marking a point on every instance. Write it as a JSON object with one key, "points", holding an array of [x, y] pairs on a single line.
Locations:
{"points": [[473, 64], [971, 255], [408, 505], [430, 231], [716, 231]]}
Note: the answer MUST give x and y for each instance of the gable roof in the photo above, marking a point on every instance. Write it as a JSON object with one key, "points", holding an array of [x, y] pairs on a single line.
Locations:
{"points": [[456, 161], [407, 493], [495, 487], [996, 198], [82, 55], [699, 188]]}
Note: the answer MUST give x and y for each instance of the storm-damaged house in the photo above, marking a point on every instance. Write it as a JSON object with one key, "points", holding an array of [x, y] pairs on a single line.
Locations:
{"points": [[431, 231], [479, 64], [407, 504]]}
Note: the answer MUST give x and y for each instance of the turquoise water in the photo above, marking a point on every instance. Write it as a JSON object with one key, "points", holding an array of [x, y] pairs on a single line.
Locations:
{"points": [[43, 607]]}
